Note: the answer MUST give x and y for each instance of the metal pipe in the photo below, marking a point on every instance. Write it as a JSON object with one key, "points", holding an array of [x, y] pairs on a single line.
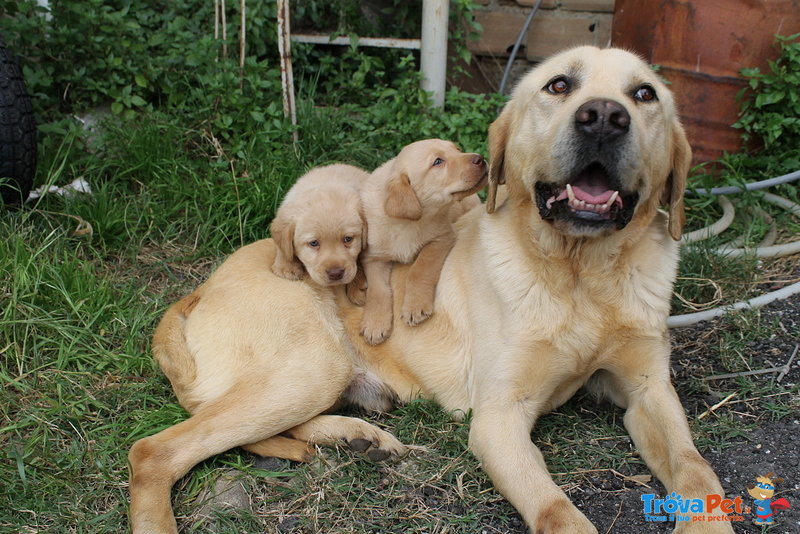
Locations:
{"points": [[379, 42], [517, 44], [433, 53]]}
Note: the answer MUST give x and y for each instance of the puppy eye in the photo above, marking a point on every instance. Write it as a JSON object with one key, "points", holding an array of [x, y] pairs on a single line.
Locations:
{"points": [[347, 239], [558, 86], [437, 162], [645, 93], [313, 244]]}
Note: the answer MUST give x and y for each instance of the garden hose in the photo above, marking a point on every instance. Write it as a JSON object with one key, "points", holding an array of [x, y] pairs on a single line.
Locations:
{"points": [[765, 249], [716, 228], [688, 319], [752, 186]]}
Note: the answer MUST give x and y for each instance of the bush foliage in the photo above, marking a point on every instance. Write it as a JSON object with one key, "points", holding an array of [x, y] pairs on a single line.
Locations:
{"points": [[770, 114]]}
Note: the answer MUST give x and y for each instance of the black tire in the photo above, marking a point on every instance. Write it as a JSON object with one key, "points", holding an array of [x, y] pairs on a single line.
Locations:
{"points": [[17, 132]]}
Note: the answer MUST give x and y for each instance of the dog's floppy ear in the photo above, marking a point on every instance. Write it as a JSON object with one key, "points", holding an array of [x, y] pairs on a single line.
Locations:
{"points": [[676, 183], [498, 136], [282, 231], [401, 200]]}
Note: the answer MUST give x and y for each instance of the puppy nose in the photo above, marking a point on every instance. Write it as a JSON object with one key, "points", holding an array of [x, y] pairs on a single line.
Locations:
{"points": [[602, 119], [335, 274], [477, 159]]}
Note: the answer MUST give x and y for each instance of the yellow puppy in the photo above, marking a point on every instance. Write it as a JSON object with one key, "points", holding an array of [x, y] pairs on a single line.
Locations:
{"points": [[319, 228], [410, 202]]}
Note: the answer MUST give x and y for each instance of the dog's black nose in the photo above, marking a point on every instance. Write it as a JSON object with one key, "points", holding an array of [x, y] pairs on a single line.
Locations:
{"points": [[602, 119], [335, 274], [477, 159]]}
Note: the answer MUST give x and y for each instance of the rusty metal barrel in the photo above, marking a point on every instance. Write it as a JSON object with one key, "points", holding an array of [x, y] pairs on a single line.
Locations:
{"points": [[701, 46]]}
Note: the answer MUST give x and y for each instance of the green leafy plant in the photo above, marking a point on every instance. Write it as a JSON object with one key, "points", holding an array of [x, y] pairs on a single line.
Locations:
{"points": [[771, 113], [131, 54]]}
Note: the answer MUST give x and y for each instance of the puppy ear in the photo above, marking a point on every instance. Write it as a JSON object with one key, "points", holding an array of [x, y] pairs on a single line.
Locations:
{"points": [[282, 231], [401, 200], [498, 136], [676, 182]]}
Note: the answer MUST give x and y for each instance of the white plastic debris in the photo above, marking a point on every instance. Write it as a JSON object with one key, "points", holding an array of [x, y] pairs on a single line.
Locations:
{"points": [[78, 185]]}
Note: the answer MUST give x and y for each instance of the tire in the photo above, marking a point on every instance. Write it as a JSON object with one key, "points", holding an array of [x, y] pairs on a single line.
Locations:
{"points": [[17, 132]]}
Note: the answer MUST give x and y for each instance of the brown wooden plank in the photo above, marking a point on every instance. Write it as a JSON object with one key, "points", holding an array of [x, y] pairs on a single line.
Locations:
{"points": [[552, 32], [500, 30]]}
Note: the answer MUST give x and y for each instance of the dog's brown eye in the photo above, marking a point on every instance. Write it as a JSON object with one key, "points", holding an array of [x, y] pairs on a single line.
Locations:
{"points": [[313, 244], [437, 162], [645, 94], [559, 86], [347, 239]]}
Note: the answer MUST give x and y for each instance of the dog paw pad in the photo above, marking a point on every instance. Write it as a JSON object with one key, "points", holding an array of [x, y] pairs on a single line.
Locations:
{"points": [[360, 445], [378, 455]]}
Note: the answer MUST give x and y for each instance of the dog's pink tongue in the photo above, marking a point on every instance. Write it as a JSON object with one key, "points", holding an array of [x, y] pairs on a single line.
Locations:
{"points": [[598, 196], [588, 195], [592, 195]]}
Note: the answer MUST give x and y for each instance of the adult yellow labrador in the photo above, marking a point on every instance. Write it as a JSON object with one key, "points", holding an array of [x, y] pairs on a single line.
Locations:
{"points": [[565, 283]]}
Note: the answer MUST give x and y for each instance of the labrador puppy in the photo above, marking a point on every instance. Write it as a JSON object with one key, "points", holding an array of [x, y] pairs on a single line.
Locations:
{"points": [[319, 227], [566, 283], [409, 203]]}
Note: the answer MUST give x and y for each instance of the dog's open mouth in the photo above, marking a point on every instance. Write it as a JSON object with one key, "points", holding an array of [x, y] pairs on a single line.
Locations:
{"points": [[591, 197]]}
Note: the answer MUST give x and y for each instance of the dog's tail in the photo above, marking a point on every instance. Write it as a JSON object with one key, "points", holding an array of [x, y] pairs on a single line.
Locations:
{"points": [[169, 345]]}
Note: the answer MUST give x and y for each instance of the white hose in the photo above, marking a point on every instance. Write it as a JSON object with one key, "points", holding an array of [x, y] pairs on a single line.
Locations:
{"points": [[771, 251], [753, 186], [769, 238], [717, 227], [692, 318]]}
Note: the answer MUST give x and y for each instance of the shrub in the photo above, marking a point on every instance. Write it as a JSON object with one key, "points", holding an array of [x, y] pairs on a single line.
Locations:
{"points": [[770, 114]]}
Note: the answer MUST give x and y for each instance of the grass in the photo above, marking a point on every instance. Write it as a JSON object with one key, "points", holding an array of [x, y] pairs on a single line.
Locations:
{"points": [[77, 312]]}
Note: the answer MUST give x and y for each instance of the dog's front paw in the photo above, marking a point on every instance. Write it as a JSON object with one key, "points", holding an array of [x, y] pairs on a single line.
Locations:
{"points": [[376, 330], [289, 271], [562, 517], [413, 317]]}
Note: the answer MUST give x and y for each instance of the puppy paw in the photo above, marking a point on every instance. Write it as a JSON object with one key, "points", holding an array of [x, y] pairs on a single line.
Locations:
{"points": [[416, 309], [289, 271], [375, 337], [376, 329], [413, 317]]}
